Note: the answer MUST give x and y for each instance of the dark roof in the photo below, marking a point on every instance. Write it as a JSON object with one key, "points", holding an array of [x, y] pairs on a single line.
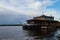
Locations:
{"points": [[45, 16], [41, 20]]}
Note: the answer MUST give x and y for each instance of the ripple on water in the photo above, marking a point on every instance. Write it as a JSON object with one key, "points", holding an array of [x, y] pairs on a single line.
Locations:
{"points": [[17, 33]]}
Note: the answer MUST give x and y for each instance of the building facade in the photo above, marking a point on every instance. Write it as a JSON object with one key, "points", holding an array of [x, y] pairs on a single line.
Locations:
{"points": [[45, 24]]}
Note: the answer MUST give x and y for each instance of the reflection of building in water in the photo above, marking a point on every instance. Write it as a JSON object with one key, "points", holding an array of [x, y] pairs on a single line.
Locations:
{"points": [[44, 24]]}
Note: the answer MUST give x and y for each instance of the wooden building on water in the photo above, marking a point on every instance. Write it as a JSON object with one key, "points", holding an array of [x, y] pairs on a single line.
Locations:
{"points": [[45, 24]]}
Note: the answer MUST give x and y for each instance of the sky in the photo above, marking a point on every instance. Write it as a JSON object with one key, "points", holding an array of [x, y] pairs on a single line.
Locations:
{"points": [[18, 11]]}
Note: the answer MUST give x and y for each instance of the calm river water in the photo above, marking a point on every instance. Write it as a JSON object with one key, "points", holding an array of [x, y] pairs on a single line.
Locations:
{"points": [[17, 33]]}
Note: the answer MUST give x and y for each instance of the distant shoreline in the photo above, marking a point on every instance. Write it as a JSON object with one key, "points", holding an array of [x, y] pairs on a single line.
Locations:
{"points": [[11, 25]]}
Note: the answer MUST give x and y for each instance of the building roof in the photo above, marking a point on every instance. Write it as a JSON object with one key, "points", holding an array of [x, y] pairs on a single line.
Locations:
{"points": [[44, 16], [41, 20]]}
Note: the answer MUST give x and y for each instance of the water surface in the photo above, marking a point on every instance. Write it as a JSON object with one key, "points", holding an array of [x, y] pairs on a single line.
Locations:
{"points": [[17, 33]]}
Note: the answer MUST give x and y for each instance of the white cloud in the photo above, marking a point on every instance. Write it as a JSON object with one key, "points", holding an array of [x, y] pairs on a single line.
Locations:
{"points": [[27, 7]]}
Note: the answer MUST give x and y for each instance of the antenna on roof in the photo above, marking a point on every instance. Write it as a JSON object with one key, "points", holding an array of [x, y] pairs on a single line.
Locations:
{"points": [[42, 12], [51, 15]]}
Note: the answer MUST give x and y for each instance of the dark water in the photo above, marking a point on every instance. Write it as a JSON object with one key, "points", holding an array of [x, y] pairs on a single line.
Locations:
{"points": [[17, 33]]}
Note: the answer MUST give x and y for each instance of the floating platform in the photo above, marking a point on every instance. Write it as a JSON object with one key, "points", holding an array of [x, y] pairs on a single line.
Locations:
{"points": [[44, 25], [43, 31]]}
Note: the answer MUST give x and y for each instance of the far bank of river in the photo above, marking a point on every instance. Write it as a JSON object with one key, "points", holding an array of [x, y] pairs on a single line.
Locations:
{"points": [[11, 24]]}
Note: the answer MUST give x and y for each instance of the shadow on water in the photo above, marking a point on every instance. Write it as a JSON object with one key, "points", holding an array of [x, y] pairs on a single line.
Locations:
{"points": [[18, 33], [36, 34]]}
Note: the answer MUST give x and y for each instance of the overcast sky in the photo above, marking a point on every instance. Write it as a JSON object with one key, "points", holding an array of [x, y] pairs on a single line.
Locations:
{"points": [[15, 11]]}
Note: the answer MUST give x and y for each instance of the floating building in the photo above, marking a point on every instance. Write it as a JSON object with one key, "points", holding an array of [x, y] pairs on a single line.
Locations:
{"points": [[45, 24]]}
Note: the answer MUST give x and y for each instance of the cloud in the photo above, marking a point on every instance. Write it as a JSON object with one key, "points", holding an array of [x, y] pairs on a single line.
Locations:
{"points": [[28, 5], [13, 9]]}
